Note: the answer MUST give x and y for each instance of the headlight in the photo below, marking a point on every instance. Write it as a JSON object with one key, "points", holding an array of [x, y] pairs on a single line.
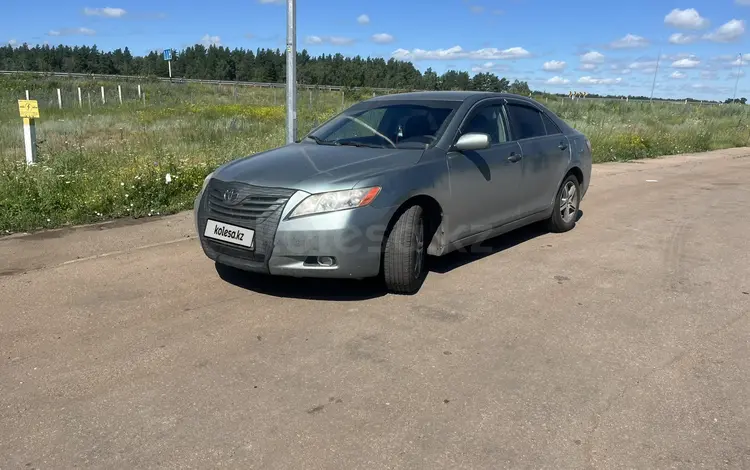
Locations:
{"points": [[335, 201], [206, 180]]}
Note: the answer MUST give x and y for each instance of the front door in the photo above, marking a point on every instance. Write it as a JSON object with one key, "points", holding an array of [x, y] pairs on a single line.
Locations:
{"points": [[485, 184]]}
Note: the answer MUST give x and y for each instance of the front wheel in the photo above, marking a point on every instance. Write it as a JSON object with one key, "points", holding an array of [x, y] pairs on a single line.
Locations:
{"points": [[404, 257], [565, 207]]}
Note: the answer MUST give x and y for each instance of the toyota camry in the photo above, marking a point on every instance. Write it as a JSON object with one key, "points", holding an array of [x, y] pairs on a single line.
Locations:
{"points": [[377, 188]]}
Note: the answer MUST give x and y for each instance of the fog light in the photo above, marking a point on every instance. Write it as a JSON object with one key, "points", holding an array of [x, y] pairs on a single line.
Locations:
{"points": [[326, 261]]}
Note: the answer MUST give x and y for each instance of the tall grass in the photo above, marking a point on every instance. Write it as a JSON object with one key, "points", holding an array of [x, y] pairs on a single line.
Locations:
{"points": [[133, 160]]}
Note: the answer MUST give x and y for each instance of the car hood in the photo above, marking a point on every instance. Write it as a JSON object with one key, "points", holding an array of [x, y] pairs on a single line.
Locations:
{"points": [[315, 168]]}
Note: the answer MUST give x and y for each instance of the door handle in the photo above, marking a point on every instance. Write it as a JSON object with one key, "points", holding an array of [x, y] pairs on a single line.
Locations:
{"points": [[562, 146], [514, 157]]}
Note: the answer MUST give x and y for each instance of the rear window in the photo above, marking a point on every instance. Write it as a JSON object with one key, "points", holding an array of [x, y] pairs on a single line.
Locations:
{"points": [[550, 125], [525, 122]]}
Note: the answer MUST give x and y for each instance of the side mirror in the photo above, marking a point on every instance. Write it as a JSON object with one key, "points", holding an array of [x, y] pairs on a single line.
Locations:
{"points": [[472, 141]]}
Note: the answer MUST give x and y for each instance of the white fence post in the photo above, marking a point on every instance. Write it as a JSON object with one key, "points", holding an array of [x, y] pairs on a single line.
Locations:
{"points": [[27, 94], [104, 100], [59, 99], [29, 140], [139, 91], [119, 92], [80, 100]]}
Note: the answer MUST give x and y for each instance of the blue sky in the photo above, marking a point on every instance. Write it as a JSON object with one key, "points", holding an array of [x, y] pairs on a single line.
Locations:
{"points": [[582, 45]]}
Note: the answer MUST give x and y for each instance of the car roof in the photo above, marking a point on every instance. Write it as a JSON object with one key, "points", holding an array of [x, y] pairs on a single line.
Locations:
{"points": [[469, 97], [445, 96]]}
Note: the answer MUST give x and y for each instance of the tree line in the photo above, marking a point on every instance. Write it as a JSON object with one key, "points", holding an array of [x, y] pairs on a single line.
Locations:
{"points": [[261, 65]]}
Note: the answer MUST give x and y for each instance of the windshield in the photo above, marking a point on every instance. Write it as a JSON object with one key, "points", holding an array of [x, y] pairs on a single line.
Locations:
{"points": [[387, 124]]}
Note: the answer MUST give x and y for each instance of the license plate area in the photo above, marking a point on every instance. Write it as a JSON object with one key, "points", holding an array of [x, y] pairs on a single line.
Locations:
{"points": [[229, 233]]}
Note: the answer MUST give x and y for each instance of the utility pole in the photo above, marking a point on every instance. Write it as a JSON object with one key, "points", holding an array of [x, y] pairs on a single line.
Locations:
{"points": [[737, 81], [653, 84], [291, 71]]}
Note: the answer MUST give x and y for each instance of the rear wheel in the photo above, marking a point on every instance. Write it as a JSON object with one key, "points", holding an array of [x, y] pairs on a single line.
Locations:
{"points": [[404, 257], [565, 208]]}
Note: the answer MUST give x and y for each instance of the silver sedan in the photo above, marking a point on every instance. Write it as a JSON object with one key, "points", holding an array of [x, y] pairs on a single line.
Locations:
{"points": [[393, 179]]}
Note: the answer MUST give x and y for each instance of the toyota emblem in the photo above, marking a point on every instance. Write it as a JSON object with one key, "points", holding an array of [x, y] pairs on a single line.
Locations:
{"points": [[231, 196]]}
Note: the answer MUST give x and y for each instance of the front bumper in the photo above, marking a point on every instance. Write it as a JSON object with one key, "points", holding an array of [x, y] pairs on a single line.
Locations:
{"points": [[290, 247]]}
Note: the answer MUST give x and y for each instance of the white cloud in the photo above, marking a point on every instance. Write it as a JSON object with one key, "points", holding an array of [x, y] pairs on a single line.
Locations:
{"points": [[72, 32], [340, 40], [557, 81], [485, 67], [588, 67], [334, 40], [677, 75], [457, 52], [554, 65], [742, 2], [646, 66], [476, 9], [13, 43], [599, 81], [686, 19], [686, 63], [681, 38], [208, 40], [629, 41], [592, 57], [735, 73], [708, 75], [728, 32], [107, 12], [741, 60], [494, 53], [363, 19], [382, 38]]}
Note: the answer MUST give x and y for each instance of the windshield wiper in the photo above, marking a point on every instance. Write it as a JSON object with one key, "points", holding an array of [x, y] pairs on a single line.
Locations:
{"points": [[320, 141], [353, 143]]}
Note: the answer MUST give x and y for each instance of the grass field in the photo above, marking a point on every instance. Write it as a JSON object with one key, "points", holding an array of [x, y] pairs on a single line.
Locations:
{"points": [[107, 160]]}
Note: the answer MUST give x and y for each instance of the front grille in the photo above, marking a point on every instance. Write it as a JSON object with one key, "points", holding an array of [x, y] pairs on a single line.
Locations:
{"points": [[255, 207], [251, 203]]}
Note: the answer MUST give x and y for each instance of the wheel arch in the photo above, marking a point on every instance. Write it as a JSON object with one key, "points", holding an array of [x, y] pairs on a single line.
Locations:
{"points": [[433, 213]]}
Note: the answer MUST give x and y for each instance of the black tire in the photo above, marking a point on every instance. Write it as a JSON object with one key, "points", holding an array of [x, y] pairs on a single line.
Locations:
{"points": [[558, 222], [404, 256]]}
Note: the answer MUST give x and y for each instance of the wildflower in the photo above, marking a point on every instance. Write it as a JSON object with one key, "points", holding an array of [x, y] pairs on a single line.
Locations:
{"points": [[168, 178], [126, 195], [122, 184]]}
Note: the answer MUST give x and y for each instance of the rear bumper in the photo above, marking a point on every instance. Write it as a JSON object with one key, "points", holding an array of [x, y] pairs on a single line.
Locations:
{"points": [[352, 237]]}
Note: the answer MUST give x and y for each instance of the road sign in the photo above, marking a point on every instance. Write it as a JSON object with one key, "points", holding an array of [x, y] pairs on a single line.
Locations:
{"points": [[167, 54], [28, 109]]}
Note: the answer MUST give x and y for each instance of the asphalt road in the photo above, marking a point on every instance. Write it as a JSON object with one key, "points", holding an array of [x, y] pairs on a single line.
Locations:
{"points": [[622, 344]]}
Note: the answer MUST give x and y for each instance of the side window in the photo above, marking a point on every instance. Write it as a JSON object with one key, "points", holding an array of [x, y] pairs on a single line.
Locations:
{"points": [[488, 120], [525, 122], [550, 125]]}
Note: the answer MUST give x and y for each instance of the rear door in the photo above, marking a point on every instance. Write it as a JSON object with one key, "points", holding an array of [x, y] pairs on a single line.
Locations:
{"points": [[485, 184], [546, 154]]}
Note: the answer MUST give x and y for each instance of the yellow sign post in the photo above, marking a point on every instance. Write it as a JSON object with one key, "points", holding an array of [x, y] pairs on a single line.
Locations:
{"points": [[29, 110]]}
